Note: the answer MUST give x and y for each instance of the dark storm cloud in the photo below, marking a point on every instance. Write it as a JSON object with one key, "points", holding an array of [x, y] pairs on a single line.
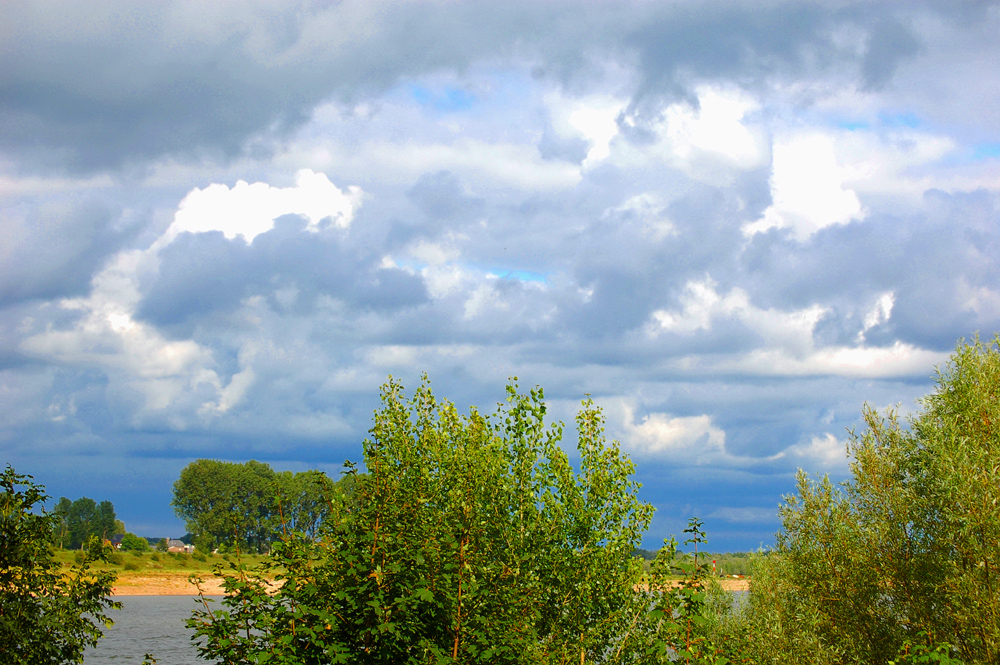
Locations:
{"points": [[889, 43], [113, 83], [205, 274], [56, 247]]}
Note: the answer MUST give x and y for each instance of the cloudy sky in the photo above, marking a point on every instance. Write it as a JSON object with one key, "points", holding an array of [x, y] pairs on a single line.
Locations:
{"points": [[224, 224]]}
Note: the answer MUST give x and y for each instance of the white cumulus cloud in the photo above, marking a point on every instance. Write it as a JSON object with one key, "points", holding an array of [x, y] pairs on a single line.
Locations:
{"points": [[247, 210], [688, 438], [807, 188]]}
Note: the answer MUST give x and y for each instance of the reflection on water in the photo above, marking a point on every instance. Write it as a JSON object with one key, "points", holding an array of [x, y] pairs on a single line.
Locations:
{"points": [[147, 624]]}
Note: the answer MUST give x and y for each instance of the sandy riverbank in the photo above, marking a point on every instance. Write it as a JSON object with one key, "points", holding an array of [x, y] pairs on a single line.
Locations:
{"points": [[730, 584], [177, 584], [163, 584]]}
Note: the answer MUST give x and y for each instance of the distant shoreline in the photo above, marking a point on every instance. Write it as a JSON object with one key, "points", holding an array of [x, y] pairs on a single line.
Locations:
{"points": [[164, 584], [146, 583], [727, 584]]}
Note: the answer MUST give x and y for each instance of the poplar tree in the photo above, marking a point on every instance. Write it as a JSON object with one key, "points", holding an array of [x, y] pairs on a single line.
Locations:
{"points": [[469, 539]]}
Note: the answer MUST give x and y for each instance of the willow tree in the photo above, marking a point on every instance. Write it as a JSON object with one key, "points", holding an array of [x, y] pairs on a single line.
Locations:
{"points": [[906, 553], [468, 539]]}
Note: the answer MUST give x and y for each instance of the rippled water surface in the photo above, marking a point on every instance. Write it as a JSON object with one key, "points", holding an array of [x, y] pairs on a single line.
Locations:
{"points": [[155, 625], [148, 624]]}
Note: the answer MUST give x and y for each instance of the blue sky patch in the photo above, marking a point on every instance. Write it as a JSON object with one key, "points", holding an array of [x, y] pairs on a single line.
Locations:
{"points": [[986, 151], [521, 275], [854, 125], [909, 119], [447, 99]]}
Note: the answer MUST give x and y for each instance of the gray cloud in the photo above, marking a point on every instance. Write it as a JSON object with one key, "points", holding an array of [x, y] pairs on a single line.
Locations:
{"points": [[203, 275], [484, 245], [54, 249], [120, 83]]}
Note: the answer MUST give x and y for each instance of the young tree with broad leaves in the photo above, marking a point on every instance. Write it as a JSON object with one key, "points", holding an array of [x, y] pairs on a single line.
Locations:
{"points": [[46, 617], [470, 539]]}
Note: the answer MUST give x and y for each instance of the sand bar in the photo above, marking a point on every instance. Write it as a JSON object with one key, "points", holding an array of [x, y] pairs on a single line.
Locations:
{"points": [[177, 584]]}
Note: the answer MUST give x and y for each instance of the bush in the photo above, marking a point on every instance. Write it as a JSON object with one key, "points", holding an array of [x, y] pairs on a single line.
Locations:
{"points": [[198, 556], [136, 554], [130, 565], [155, 556], [469, 540], [115, 558], [46, 616], [133, 543], [901, 559]]}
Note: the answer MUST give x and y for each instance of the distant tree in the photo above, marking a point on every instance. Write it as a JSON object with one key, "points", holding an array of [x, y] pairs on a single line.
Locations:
{"points": [[233, 505], [225, 503], [46, 617], [304, 501], [74, 522], [60, 516], [106, 523], [133, 543]]}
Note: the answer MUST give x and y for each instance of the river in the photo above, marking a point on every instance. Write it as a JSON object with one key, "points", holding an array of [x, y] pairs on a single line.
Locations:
{"points": [[155, 625], [148, 624]]}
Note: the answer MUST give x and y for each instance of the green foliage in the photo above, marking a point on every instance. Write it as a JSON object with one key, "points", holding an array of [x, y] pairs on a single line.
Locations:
{"points": [[470, 539], [302, 500], [903, 560], [77, 521], [234, 506], [684, 624], [133, 543], [46, 617], [924, 653], [229, 503]]}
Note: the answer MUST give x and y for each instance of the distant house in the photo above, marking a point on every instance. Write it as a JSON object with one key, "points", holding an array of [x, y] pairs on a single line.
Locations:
{"points": [[174, 545], [116, 540]]}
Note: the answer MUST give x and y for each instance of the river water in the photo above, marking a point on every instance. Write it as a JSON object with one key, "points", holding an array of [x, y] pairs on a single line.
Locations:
{"points": [[148, 624], [155, 625]]}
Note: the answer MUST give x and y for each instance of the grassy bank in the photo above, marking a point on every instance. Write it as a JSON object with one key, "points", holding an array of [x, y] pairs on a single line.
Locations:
{"points": [[160, 573]]}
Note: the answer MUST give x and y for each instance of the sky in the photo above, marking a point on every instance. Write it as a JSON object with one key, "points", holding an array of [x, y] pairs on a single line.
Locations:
{"points": [[224, 225]]}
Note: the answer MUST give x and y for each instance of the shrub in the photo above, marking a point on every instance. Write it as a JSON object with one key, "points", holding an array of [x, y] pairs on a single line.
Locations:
{"points": [[133, 543], [46, 616], [901, 558], [115, 558]]}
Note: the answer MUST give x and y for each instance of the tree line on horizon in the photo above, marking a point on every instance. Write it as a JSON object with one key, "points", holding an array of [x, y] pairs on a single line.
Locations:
{"points": [[232, 506]]}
